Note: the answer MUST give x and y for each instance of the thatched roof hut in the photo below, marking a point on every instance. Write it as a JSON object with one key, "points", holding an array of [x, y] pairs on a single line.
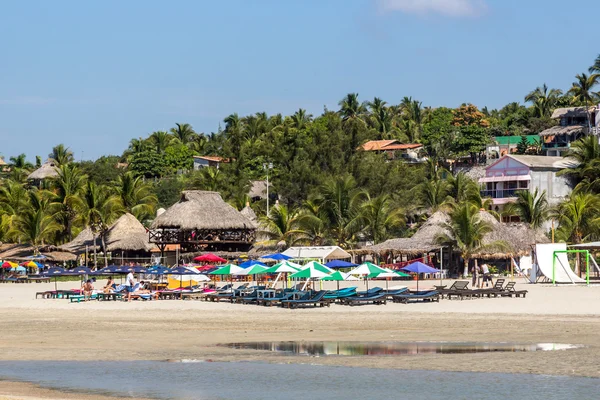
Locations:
{"points": [[23, 252], [249, 213], [513, 239], [127, 234], [203, 221], [47, 170], [198, 210], [423, 241], [84, 240]]}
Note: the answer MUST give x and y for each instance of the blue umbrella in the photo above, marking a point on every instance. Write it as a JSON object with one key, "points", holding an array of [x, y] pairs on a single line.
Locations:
{"points": [[80, 271], [277, 256], [55, 271], [339, 264], [251, 263], [138, 269], [419, 268], [159, 270]]}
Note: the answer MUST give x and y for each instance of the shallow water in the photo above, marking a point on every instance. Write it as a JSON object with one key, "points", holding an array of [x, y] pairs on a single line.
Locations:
{"points": [[250, 381], [393, 348]]}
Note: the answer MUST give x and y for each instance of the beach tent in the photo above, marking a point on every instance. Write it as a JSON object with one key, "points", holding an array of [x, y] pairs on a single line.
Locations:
{"points": [[321, 253]]}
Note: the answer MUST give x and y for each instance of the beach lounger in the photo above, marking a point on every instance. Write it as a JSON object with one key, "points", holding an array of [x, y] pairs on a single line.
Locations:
{"points": [[341, 294], [509, 291], [489, 292], [431, 295], [389, 293], [379, 299], [315, 299], [109, 296], [279, 297], [48, 294], [370, 292], [79, 298], [456, 286]]}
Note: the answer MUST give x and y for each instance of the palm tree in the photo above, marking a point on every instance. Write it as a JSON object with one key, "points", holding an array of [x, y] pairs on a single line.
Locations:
{"points": [[351, 108], [466, 232], [594, 69], [300, 118], [35, 225], [20, 162], [544, 100], [281, 225], [582, 92], [381, 217], [61, 154], [311, 224], [578, 218], [381, 118], [586, 154], [13, 201], [461, 188], [341, 202], [208, 178], [69, 186], [101, 208], [433, 195], [136, 196], [183, 132], [531, 208], [161, 140]]}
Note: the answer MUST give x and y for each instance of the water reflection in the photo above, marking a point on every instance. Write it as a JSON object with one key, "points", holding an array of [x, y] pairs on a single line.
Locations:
{"points": [[393, 348]]}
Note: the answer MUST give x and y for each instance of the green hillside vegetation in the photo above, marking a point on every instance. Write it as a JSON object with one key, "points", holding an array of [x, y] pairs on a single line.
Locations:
{"points": [[330, 191]]}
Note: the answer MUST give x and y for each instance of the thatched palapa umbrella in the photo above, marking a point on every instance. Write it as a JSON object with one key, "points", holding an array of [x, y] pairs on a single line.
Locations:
{"points": [[127, 234]]}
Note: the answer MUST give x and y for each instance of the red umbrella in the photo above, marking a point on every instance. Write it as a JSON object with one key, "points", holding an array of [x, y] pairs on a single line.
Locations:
{"points": [[209, 257], [205, 268]]}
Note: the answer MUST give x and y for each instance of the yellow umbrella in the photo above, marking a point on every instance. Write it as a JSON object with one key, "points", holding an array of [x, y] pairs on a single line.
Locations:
{"points": [[9, 264], [30, 264]]}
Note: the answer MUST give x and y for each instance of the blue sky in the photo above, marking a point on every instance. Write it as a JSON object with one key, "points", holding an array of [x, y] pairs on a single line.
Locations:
{"points": [[94, 74]]}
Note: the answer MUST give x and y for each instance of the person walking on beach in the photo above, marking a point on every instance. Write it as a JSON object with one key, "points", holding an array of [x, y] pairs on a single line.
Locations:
{"points": [[129, 284]]}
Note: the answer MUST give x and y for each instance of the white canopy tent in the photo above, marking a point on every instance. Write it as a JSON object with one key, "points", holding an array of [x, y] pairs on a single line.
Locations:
{"points": [[321, 253]]}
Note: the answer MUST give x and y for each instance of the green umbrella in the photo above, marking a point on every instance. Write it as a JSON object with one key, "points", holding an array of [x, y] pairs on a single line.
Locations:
{"points": [[228, 269], [310, 272], [336, 276], [388, 274], [319, 267], [253, 270], [366, 269], [284, 267]]}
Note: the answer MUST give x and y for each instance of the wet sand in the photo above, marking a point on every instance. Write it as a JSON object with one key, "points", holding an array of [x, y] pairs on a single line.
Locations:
{"points": [[173, 330]]}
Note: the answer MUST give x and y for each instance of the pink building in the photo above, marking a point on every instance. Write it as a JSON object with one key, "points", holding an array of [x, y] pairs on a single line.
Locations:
{"points": [[512, 173]]}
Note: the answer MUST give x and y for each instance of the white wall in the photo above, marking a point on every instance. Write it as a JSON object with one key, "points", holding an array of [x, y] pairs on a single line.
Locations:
{"points": [[556, 187]]}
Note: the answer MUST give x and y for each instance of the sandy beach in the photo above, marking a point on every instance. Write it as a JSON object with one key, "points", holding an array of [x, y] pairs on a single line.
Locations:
{"points": [[46, 329]]}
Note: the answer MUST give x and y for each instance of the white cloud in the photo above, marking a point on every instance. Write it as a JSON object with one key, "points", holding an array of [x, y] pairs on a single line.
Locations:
{"points": [[451, 8]]}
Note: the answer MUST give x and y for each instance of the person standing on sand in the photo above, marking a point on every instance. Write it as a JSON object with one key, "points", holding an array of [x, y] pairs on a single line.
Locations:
{"points": [[129, 284], [486, 275]]}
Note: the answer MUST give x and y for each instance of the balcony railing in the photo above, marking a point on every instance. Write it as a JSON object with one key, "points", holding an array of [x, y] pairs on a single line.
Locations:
{"points": [[500, 193]]}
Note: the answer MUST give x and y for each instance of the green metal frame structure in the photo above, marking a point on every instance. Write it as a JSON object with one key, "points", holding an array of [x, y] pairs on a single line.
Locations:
{"points": [[587, 263]]}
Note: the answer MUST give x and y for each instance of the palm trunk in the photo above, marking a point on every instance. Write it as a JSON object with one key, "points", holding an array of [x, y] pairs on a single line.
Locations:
{"points": [[104, 249], [466, 268]]}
